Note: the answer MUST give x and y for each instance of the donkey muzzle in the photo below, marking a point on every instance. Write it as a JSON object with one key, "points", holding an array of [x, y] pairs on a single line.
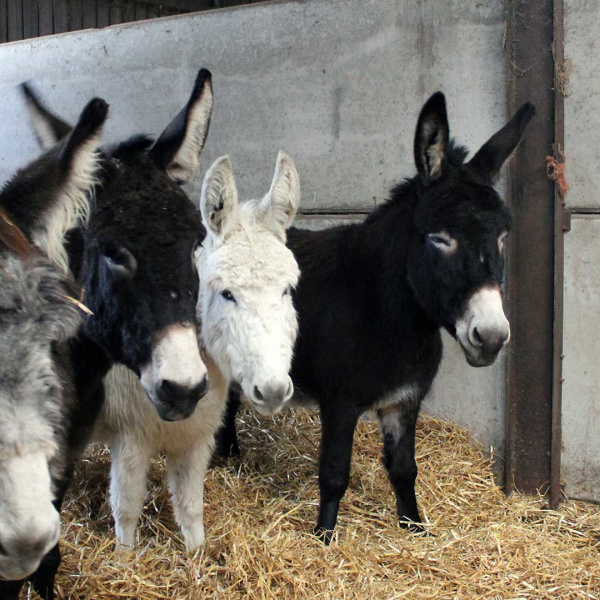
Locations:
{"points": [[483, 330], [270, 397]]}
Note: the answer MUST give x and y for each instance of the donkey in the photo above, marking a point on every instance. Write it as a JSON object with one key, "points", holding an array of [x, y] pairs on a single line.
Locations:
{"points": [[38, 317], [134, 264], [373, 296], [134, 260], [248, 331]]}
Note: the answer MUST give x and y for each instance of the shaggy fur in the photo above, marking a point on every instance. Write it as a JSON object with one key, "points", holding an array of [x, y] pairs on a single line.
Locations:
{"points": [[248, 336], [135, 258], [373, 296], [38, 315], [36, 401]]}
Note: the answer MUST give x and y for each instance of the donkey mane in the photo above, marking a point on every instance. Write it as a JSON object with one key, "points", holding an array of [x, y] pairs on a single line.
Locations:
{"points": [[131, 148]]}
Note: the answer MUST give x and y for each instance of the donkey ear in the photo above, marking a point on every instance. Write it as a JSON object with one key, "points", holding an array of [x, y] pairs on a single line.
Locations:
{"points": [[49, 129], [279, 206], [219, 200], [179, 146], [431, 139], [77, 160], [79, 152], [491, 156]]}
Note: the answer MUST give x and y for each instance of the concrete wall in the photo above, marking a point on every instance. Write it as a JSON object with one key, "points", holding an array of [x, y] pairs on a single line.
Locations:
{"points": [[581, 390], [337, 83]]}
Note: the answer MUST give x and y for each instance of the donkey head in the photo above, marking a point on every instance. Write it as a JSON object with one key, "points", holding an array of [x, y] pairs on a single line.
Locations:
{"points": [[36, 315], [457, 266], [247, 275], [52, 194], [138, 269]]}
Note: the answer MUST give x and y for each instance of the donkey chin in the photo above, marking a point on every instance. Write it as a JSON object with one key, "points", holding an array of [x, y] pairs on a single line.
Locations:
{"points": [[483, 329], [175, 378]]}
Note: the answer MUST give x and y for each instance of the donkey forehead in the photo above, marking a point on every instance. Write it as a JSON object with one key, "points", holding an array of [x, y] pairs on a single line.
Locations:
{"points": [[138, 197], [464, 211], [251, 259]]}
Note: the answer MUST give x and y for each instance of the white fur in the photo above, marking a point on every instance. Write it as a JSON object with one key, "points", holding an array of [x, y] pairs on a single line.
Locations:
{"points": [[72, 207], [29, 523], [176, 358], [130, 426], [484, 312], [250, 340]]}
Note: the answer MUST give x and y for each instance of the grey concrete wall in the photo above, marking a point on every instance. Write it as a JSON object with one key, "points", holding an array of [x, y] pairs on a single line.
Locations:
{"points": [[337, 83], [581, 390], [582, 106]]}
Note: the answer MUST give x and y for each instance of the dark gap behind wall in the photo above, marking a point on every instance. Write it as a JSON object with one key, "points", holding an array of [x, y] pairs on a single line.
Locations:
{"points": [[24, 19]]}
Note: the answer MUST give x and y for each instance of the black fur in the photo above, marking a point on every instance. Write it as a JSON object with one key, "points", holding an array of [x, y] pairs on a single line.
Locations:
{"points": [[140, 209], [372, 298]]}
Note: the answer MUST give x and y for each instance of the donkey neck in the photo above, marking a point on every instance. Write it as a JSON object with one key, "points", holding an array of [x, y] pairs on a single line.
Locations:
{"points": [[382, 245]]}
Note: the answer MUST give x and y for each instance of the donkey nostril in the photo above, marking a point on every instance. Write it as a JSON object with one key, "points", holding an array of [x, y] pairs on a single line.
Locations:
{"points": [[478, 339], [257, 393], [168, 387]]}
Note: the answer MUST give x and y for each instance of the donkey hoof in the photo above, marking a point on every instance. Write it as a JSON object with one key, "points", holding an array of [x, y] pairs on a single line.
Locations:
{"points": [[325, 535], [415, 528]]}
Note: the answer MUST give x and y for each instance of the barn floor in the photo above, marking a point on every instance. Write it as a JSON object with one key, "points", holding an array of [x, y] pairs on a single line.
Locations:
{"points": [[260, 510]]}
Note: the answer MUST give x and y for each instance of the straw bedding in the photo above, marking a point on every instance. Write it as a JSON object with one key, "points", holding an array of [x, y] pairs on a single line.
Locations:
{"points": [[260, 510]]}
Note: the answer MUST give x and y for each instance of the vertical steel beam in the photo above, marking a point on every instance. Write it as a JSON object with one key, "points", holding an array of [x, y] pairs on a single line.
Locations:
{"points": [[560, 228], [531, 260]]}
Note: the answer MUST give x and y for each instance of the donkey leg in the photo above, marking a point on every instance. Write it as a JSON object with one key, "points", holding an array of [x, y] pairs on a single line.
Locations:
{"points": [[185, 473], [128, 473], [337, 435], [226, 437], [9, 590], [398, 429], [43, 579]]}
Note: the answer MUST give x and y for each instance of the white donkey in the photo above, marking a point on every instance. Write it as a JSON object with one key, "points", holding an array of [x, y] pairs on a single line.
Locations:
{"points": [[248, 330]]}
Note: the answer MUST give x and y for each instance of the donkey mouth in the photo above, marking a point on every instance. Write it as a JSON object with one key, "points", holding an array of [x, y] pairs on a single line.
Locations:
{"points": [[478, 358]]}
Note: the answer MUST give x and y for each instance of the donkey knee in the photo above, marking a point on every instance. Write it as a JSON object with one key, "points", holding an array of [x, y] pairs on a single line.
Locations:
{"points": [[333, 487]]}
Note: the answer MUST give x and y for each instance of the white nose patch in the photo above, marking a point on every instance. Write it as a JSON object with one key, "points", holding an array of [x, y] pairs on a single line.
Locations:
{"points": [[484, 312], [176, 358]]}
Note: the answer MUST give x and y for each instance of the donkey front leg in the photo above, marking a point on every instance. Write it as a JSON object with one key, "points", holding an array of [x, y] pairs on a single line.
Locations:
{"points": [[398, 425], [9, 590], [128, 474], [337, 435], [226, 436], [185, 473]]}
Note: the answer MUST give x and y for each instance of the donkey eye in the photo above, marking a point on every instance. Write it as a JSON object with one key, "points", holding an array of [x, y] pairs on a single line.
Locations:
{"points": [[228, 296], [439, 240], [287, 291]]}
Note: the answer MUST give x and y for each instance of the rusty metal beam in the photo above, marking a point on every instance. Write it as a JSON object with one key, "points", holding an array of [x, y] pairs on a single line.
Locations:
{"points": [[560, 228], [531, 260]]}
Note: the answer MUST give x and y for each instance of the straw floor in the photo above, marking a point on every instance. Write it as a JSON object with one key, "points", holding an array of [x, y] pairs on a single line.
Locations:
{"points": [[260, 510]]}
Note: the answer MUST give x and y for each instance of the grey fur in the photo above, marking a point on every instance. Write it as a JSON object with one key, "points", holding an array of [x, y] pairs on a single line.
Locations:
{"points": [[36, 393]]}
